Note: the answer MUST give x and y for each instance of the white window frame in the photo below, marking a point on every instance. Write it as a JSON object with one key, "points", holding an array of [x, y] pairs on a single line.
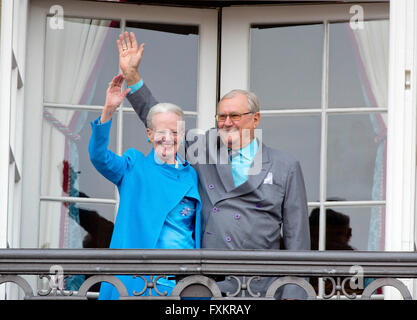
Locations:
{"points": [[401, 155], [12, 66], [402, 131], [236, 23], [5, 96], [205, 19], [5, 92]]}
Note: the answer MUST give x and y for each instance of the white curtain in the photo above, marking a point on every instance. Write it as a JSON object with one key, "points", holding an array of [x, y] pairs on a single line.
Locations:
{"points": [[70, 57], [372, 44]]}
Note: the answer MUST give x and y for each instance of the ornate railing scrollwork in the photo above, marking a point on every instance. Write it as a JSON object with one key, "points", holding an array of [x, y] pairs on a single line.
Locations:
{"points": [[196, 272], [243, 286], [193, 286], [390, 282], [18, 280], [113, 280], [150, 285], [55, 286], [311, 293], [338, 288]]}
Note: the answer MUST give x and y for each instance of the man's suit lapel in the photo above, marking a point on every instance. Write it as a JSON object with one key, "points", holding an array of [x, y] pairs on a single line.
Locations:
{"points": [[219, 155], [254, 180], [226, 176]]}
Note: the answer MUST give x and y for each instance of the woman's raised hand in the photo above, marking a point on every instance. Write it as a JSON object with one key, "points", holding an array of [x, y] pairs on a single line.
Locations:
{"points": [[130, 55], [114, 97]]}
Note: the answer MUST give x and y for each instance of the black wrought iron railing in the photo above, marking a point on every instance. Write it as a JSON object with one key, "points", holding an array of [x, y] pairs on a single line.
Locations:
{"points": [[351, 275]]}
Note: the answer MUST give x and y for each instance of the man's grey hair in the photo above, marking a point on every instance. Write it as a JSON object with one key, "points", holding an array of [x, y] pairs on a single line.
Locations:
{"points": [[253, 101], [163, 108]]}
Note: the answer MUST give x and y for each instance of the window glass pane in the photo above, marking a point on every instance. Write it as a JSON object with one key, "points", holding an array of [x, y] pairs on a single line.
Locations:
{"points": [[134, 133], [80, 60], [298, 136], [66, 166], [190, 122], [358, 65], [356, 159], [75, 225], [286, 65], [350, 228], [170, 62]]}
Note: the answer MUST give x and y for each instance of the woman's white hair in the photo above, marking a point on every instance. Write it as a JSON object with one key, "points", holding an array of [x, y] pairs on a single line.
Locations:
{"points": [[163, 108]]}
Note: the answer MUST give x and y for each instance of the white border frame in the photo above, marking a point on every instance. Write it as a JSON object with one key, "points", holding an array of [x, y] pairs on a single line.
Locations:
{"points": [[401, 129]]}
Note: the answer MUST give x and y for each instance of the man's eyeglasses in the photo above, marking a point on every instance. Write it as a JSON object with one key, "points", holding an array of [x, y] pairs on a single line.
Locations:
{"points": [[235, 117]]}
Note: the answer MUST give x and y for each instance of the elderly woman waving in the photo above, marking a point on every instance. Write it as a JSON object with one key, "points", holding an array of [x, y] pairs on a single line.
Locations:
{"points": [[159, 200]]}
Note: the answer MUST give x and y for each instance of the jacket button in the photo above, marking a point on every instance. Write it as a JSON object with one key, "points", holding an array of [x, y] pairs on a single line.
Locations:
{"points": [[211, 186], [237, 216], [215, 209]]}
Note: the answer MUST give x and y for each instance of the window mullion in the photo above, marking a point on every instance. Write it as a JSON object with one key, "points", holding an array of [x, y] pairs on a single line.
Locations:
{"points": [[312, 111], [323, 148], [77, 200], [119, 143], [120, 116], [52, 105]]}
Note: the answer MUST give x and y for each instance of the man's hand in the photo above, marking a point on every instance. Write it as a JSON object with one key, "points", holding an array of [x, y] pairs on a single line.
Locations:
{"points": [[114, 97], [129, 57]]}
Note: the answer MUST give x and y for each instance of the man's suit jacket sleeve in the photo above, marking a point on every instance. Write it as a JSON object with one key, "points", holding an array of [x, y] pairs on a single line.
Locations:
{"points": [[142, 101], [296, 230]]}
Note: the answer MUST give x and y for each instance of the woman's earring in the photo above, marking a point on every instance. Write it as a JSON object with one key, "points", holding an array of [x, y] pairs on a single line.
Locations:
{"points": [[149, 140]]}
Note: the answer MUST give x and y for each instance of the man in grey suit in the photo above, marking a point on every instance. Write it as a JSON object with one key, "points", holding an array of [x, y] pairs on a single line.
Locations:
{"points": [[243, 207]]}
